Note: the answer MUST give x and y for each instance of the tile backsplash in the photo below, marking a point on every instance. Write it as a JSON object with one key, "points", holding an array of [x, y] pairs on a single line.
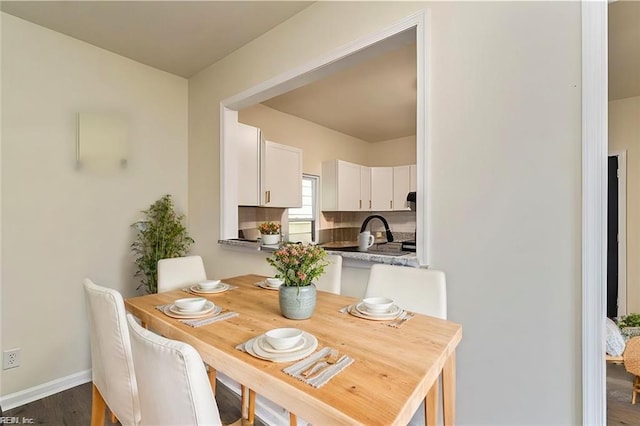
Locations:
{"points": [[333, 226], [345, 226]]}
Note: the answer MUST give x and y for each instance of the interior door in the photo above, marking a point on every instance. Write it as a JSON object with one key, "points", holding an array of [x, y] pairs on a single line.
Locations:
{"points": [[612, 238]]}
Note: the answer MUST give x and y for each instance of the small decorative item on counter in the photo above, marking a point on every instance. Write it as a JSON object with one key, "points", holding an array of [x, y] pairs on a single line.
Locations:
{"points": [[298, 266], [630, 325], [270, 233]]}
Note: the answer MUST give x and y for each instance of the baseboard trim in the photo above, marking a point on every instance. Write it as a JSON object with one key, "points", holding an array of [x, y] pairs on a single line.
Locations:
{"points": [[17, 399]]}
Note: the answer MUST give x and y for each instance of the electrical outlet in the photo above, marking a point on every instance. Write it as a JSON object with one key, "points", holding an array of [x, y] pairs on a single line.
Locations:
{"points": [[11, 359]]}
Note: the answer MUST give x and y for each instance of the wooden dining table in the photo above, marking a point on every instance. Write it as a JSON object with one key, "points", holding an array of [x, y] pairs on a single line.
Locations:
{"points": [[394, 369]]}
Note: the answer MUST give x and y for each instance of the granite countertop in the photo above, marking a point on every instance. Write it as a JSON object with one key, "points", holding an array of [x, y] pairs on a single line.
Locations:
{"points": [[408, 259]]}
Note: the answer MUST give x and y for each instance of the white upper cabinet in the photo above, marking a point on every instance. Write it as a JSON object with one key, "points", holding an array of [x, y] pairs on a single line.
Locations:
{"points": [[352, 187], [382, 188], [365, 188], [281, 175], [345, 186], [248, 140], [413, 172], [269, 173], [401, 187]]}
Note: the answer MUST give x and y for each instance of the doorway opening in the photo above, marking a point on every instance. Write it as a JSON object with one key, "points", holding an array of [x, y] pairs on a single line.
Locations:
{"points": [[616, 236]]}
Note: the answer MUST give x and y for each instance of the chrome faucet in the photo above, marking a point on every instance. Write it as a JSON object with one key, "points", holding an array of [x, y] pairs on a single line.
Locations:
{"points": [[384, 222]]}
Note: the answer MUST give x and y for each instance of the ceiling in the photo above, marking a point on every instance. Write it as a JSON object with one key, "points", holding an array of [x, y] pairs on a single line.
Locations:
{"points": [[374, 100], [180, 37]]}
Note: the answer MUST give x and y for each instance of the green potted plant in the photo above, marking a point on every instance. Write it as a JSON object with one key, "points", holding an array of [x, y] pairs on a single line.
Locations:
{"points": [[160, 235], [630, 325], [269, 233], [298, 266]]}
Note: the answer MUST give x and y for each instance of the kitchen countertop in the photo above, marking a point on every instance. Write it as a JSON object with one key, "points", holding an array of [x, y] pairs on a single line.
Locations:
{"points": [[408, 259]]}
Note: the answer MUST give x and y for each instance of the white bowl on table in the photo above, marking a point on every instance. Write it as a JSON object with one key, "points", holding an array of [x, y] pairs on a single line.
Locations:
{"points": [[190, 304], [377, 304], [208, 284], [283, 338], [274, 282]]}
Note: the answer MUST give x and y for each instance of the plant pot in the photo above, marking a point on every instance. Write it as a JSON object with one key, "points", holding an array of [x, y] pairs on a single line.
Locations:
{"points": [[270, 239], [297, 303]]}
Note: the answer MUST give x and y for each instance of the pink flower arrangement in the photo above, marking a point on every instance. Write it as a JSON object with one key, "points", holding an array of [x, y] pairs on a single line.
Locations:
{"points": [[298, 264], [269, 228]]}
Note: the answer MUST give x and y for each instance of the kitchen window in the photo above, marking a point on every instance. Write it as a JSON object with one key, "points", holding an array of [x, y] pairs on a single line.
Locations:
{"points": [[302, 220]]}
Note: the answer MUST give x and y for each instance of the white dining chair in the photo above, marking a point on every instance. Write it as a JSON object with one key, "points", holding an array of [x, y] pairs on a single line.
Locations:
{"points": [[414, 289], [173, 384], [331, 280], [114, 382], [179, 272]]}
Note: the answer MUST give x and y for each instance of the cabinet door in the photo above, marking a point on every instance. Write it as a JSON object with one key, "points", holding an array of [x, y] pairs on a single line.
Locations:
{"points": [[401, 187], [281, 175], [365, 188], [348, 186], [248, 141], [413, 173], [381, 188]]}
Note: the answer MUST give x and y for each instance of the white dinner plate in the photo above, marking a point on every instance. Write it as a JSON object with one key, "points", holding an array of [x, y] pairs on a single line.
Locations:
{"points": [[392, 312], [386, 317], [208, 309], [265, 346], [218, 289], [310, 345], [263, 284]]}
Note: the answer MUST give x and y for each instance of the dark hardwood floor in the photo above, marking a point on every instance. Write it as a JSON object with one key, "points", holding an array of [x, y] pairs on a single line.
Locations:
{"points": [[73, 408], [620, 411]]}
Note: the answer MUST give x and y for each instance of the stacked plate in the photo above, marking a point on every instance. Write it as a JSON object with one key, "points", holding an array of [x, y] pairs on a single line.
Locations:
{"points": [[259, 347], [269, 285], [209, 287], [360, 310], [209, 309]]}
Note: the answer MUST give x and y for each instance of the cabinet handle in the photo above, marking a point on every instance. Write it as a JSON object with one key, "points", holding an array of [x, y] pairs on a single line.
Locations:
{"points": [[267, 196], [360, 205], [369, 204], [391, 204]]}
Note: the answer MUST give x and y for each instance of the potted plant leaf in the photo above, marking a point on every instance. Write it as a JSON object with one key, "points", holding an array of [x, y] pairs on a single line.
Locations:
{"points": [[160, 235], [298, 266]]}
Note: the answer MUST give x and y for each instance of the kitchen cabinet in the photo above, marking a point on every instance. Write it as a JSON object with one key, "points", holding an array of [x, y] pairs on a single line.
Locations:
{"points": [[365, 188], [413, 173], [281, 175], [401, 187], [248, 140], [269, 173], [345, 186], [381, 188]]}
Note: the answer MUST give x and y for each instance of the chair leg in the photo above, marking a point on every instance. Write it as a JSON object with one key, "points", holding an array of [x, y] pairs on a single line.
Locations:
{"points": [[293, 421], [251, 416], [114, 419], [248, 404], [98, 407], [212, 379], [636, 389]]}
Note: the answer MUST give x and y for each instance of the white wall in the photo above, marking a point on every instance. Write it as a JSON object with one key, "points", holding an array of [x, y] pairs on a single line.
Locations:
{"points": [[624, 134], [318, 143], [505, 184], [60, 225]]}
